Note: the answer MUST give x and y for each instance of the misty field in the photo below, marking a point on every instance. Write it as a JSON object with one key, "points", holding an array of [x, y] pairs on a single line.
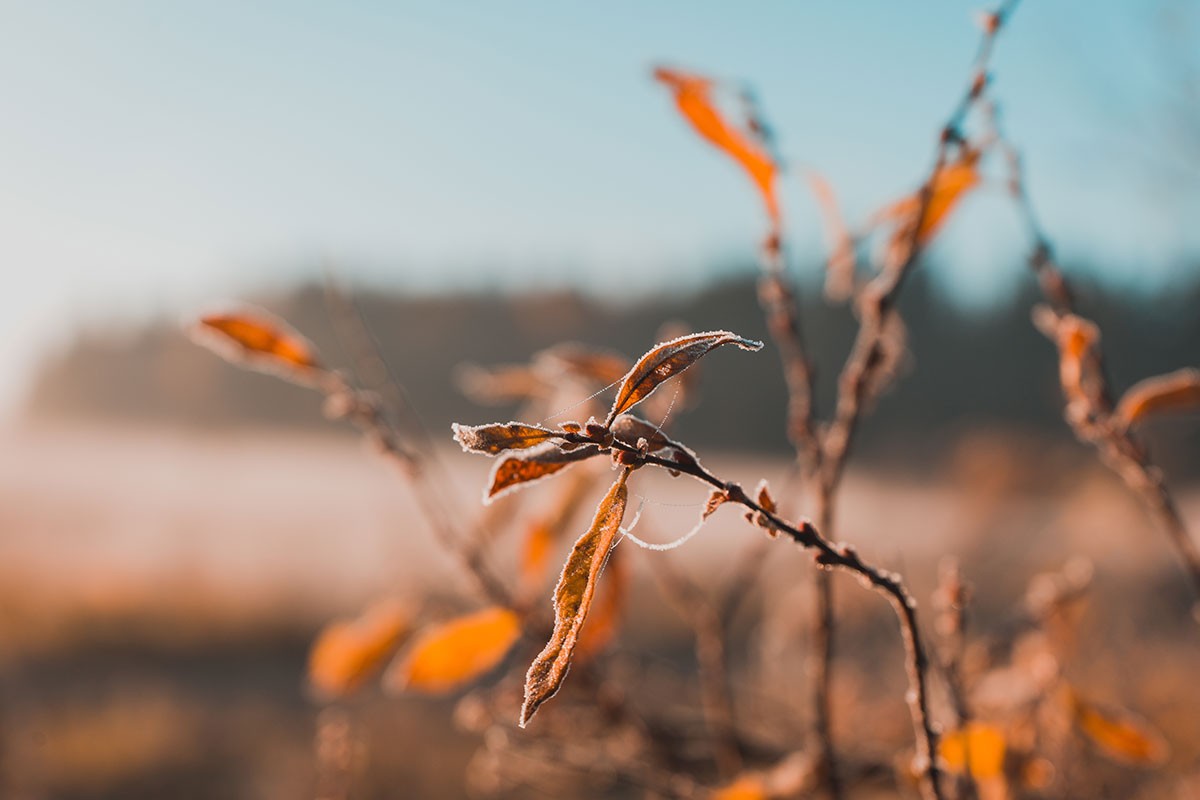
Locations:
{"points": [[161, 591]]}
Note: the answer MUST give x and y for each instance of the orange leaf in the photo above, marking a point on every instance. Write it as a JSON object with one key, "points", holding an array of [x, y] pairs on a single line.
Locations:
{"points": [[573, 598], [606, 617], [259, 340], [1176, 391], [693, 97], [1076, 339], [347, 652], [1119, 735], [744, 788], [978, 748], [500, 436], [452, 654], [947, 188], [666, 360], [518, 470]]}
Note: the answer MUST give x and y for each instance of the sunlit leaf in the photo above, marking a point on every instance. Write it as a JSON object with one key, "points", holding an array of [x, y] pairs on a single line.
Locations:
{"points": [[1119, 735], [666, 360], [451, 654], [1176, 391], [747, 787], [348, 652], [605, 618], [500, 436], [948, 187], [978, 748], [573, 599], [693, 97], [517, 470], [259, 340]]}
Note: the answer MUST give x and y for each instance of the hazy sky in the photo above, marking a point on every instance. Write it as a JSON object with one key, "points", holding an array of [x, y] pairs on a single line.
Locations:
{"points": [[161, 155]]}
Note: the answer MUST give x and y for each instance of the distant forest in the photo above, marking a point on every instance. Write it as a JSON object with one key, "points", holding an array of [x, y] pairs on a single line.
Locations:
{"points": [[968, 369]]}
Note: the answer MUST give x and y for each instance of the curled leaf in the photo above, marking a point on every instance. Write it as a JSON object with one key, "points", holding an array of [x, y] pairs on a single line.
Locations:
{"points": [[1118, 735], [693, 97], [666, 360], [447, 656], [259, 340], [517, 470], [500, 436], [573, 599], [348, 652], [977, 749], [1176, 391], [718, 498], [1077, 340]]}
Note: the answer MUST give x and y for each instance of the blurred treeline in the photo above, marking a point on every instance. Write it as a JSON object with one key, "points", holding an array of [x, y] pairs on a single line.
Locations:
{"points": [[969, 368]]}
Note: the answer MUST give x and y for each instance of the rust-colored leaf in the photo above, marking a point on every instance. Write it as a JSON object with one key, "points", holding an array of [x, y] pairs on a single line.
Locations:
{"points": [[1119, 735], [718, 498], [450, 655], [1176, 391], [500, 436], [666, 360], [764, 497], [259, 340], [517, 470], [978, 749], [693, 97], [747, 787], [605, 618], [573, 599], [348, 652]]}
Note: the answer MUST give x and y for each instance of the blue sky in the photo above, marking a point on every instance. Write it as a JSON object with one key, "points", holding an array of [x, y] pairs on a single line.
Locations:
{"points": [[156, 156]]}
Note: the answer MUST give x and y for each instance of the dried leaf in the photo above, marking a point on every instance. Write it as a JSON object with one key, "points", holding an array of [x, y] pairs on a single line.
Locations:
{"points": [[947, 188], [261, 341], [764, 497], [1077, 339], [1120, 735], [666, 360], [517, 470], [715, 500], [451, 654], [605, 618], [748, 787], [1176, 391], [839, 268], [573, 598], [348, 652], [978, 748], [693, 97], [500, 436]]}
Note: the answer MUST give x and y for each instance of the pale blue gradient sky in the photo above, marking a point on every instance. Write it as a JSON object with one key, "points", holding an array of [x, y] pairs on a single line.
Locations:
{"points": [[159, 155]]}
